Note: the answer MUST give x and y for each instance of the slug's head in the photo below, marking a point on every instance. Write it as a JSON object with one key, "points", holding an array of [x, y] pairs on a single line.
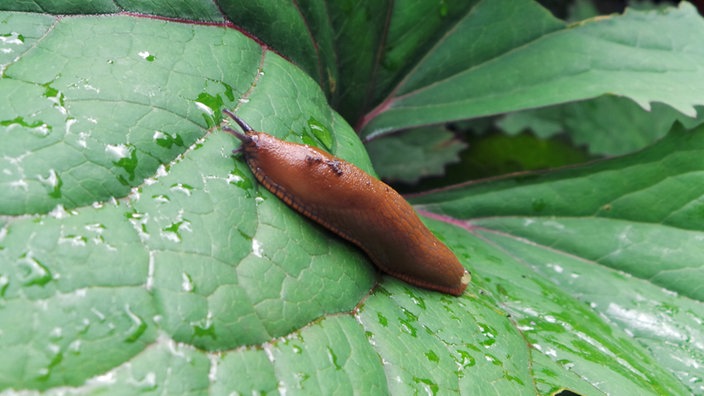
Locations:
{"points": [[246, 137]]}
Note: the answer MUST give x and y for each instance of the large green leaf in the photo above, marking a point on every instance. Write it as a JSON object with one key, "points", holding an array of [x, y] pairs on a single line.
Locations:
{"points": [[125, 216], [646, 56], [585, 231], [136, 255], [607, 125]]}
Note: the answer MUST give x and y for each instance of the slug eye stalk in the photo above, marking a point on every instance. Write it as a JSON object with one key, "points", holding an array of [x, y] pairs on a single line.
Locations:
{"points": [[243, 137]]}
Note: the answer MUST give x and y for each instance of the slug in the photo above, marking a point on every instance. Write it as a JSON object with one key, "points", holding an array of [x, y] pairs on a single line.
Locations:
{"points": [[354, 205]]}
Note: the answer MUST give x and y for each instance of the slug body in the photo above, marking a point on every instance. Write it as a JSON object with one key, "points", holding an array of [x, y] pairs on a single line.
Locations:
{"points": [[354, 205]]}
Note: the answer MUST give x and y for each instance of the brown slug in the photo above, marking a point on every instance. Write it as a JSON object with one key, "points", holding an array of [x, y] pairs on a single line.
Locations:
{"points": [[354, 205]]}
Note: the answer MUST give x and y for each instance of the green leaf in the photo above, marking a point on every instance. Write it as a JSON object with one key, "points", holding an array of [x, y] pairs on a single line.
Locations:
{"points": [[645, 56], [607, 125], [583, 236], [128, 216], [429, 149]]}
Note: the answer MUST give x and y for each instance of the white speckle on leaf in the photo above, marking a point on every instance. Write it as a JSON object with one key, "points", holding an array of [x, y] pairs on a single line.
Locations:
{"points": [[56, 332], [69, 123], [20, 184], [646, 322], [148, 382], [529, 311], [160, 198], [181, 188], [105, 379], [173, 232], [139, 223], [161, 171], [175, 348], [13, 38], [95, 227], [89, 87], [186, 283], [52, 180], [204, 108], [83, 139], [234, 179], [150, 272], [73, 240], [56, 100], [552, 352], [135, 194], [256, 248], [118, 151], [59, 212], [158, 135], [556, 267], [269, 353], [75, 346], [99, 314], [42, 129], [214, 362]]}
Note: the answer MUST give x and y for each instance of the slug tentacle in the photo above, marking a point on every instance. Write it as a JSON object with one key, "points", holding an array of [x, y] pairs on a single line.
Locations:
{"points": [[245, 127], [239, 135], [354, 205]]}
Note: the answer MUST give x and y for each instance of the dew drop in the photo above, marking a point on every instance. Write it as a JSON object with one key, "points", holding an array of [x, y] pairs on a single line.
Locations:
{"points": [[183, 188], [138, 327], [53, 182], [75, 347], [4, 284], [117, 151], [186, 283], [173, 231], [205, 328], [205, 108], [147, 56], [256, 248], [12, 38], [33, 271], [56, 333], [161, 198]]}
